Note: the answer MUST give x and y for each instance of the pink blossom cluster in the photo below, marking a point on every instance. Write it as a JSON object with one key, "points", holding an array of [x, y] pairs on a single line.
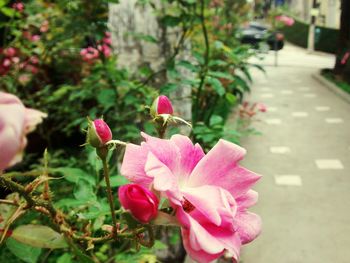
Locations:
{"points": [[19, 6], [286, 20], [90, 54], [248, 110], [29, 36], [10, 58]]}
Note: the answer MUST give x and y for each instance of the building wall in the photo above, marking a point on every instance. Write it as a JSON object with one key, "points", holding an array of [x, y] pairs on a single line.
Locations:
{"points": [[329, 11]]}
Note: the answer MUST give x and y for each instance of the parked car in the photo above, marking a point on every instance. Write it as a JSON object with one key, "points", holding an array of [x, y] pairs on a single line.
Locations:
{"points": [[256, 34]]}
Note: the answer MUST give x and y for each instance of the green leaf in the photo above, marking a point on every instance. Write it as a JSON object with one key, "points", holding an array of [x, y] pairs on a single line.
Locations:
{"points": [[168, 88], [7, 11], [24, 252], [3, 2], [73, 175], [106, 97], [159, 245], [116, 181], [216, 84], [230, 98], [65, 258], [84, 191], [216, 120], [219, 74], [171, 21], [39, 236], [186, 64]]}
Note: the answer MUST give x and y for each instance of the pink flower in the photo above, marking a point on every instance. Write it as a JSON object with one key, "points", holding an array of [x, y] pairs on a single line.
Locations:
{"points": [[16, 121], [141, 202], [89, 54], [35, 38], [261, 107], [107, 41], [9, 52], [106, 50], [18, 6], [6, 63], [161, 105], [209, 192], [44, 27], [345, 58], [99, 133], [15, 60], [34, 59], [286, 20]]}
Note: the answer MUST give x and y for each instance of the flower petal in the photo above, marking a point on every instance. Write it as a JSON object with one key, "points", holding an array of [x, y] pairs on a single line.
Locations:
{"points": [[133, 167], [198, 255], [165, 150], [220, 206], [247, 200], [190, 155], [219, 167], [248, 226], [163, 179]]}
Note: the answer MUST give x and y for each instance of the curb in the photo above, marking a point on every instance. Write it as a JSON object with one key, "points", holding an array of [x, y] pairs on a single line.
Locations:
{"points": [[332, 87]]}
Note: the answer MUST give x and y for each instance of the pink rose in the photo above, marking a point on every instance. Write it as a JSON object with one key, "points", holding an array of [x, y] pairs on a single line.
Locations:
{"points": [[141, 202], [211, 193], [16, 121], [286, 20], [99, 133], [261, 107], [35, 38], [161, 105], [18, 6], [9, 52]]}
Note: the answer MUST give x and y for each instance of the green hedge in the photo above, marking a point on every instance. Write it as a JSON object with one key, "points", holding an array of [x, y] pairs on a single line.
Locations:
{"points": [[326, 39]]}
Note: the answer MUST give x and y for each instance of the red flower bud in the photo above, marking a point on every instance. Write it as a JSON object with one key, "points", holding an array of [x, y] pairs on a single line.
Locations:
{"points": [[161, 105], [98, 133], [141, 202]]}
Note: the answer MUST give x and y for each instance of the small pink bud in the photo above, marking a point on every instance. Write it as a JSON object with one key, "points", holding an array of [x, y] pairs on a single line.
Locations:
{"points": [[9, 52], [107, 41], [261, 107], [161, 105], [18, 6], [35, 38], [141, 202], [98, 133], [15, 60], [6, 63]]}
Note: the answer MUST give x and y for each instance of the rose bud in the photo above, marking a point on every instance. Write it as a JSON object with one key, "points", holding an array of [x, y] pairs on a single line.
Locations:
{"points": [[262, 107], [141, 202], [161, 105], [98, 133], [9, 52]]}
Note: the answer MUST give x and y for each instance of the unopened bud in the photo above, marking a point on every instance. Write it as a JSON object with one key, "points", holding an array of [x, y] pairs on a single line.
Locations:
{"points": [[98, 133], [161, 105]]}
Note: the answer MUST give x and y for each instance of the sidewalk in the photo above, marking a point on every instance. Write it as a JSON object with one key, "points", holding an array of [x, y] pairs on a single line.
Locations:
{"points": [[304, 157]]}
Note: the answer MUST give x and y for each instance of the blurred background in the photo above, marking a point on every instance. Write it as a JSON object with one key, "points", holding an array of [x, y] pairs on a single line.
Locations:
{"points": [[272, 76]]}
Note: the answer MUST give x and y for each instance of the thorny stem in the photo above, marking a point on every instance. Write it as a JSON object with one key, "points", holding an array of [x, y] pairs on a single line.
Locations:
{"points": [[110, 197], [46, 208]]}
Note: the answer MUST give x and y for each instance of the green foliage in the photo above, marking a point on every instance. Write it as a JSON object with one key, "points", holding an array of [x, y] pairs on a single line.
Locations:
{"points": [[27, 253], [39, 236]]}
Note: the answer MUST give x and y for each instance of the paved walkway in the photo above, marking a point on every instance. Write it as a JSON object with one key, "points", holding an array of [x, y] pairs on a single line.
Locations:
{"points": [[304, 157]]}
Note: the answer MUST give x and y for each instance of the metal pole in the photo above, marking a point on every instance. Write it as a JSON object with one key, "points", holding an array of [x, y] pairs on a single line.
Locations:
{"points": [[311, 37]]}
